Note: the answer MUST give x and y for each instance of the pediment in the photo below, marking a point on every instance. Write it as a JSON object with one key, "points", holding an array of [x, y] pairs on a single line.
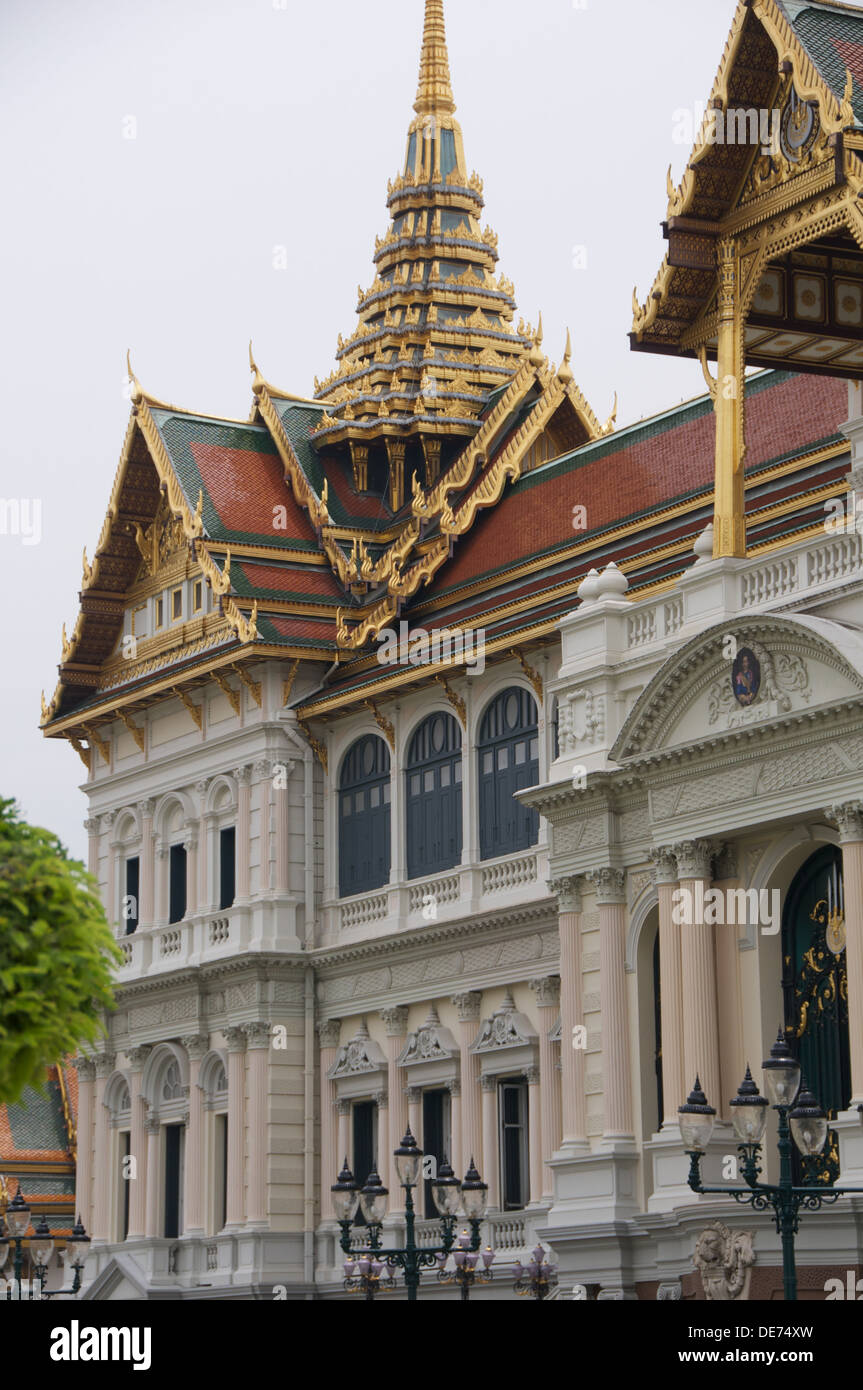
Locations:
{"points": [[430, 1043], [740, 674], [358, 1057], [506, 1029]]}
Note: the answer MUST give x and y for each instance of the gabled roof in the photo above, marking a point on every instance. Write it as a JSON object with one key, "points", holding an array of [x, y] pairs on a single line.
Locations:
{"points": [[832, 35]]}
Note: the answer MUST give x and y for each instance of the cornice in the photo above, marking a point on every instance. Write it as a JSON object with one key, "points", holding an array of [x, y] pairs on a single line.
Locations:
{"points": [[417, 941]]}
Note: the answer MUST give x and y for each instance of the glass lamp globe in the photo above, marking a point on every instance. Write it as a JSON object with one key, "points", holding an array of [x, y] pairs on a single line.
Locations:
{"points": [[446, 1190], [77, 1246], [488, 1256], [808, 1124], [697, 1119], [781, 1073], [18, 1215], [41, 1244], [345, 1195], [408, 1158], [749, 1111], [474, 1194], [373, 1199]]}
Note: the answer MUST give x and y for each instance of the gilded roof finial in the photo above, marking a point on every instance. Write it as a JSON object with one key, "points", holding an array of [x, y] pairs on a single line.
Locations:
{"points": [[566, 373], [434, 93], [536, 357], [136, 394]]}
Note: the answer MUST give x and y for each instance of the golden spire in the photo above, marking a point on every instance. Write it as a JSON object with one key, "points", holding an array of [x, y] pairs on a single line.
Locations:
{"points": [[434, 94]]}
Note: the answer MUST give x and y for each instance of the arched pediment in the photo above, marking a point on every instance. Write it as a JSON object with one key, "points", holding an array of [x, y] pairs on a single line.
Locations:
{"points": [[742, 673]]}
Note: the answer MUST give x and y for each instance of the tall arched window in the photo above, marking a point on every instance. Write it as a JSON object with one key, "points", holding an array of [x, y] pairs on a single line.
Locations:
{"points": [[433, 796], [508, 754], [364, 817]]}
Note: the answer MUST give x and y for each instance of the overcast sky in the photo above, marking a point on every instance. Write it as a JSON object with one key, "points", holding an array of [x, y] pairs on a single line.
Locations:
{"points": [[155, 155]]}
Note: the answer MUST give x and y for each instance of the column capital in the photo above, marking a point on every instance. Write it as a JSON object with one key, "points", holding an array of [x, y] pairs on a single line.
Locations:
{"points": [[381, 1099], [725, 863], [152, 1124], [329, 1032], [104, 1062], [848, 816], [531, 1076], [568, 892], [454, 1087], [414, 1094], [343, 1106], [203, 786], [610, 885], [664, 865], [196, 1044], [91, 825], [85, 1067], [138, 1056], [396, 1020], [236, 1039], [258, 1035], [243, 775], [488, 1083], [147, 808], [694, 858], [547, 991], [468, 1005]]}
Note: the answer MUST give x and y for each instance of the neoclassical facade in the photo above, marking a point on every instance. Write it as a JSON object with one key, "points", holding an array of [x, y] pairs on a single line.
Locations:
{"points": [[448, 768]]}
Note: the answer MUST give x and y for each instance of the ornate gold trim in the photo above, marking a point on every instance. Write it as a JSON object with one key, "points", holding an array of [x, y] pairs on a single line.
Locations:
{"points": [[383, 724], [455, 700], [135, 730], [232, 695], [196, 711]]}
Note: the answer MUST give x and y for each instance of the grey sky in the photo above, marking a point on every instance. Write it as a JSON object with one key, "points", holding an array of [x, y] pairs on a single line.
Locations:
{"points": [[259, 125]]}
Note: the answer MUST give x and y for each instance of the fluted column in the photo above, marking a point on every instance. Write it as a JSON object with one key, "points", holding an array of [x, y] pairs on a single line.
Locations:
{"points": [[732, 1061], [205, 834], [345, 1147], [331, 1159], [674, 1087], [698, 959], [468, 1006], [258, 1046], [236, 1204], [489, 1140], [190, 844], [454, 1088], [138, 1145], [534, 1133], [112, 904], [153, 1131], [610, 885], [281, 792], [849, 818], [262, 779], [102, 1172], [414, 1100], [196, 1046], [91, 825], [147, 890], [243, 776], [547, 990], [572, 1059], [396, 1023], [84, 1163]]}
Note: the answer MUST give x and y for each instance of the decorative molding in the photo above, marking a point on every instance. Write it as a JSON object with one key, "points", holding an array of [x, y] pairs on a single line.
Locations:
{"points": [[532, 674], [507, 1028], [547, 991], [138, 1055], [609, 885], [664, 865], [329, 1032], [255, 688], [395, 1020], [430, 1043], [725, 866], [455, 700], [359, 1056], [104, 1063], [848, 817], [468, 1005], [195, 711], [258, 1034], [383, 724], [694, 858], [85, 1067], [235, 1039], [568, 892], [532, 1076], [232, 695]]}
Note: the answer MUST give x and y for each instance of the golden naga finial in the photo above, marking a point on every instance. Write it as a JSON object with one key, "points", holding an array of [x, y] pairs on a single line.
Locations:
{"points": [[712, 381], [137, 392], [608, 427], [566, 374], [88, 571], [66, 645], [258, 382], [846, 110], [198, 519], [536, 357], [434, 93]]}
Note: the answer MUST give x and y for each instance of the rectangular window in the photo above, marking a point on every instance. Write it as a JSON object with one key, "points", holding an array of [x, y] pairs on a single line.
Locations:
{"points": [[444, 776], [176, 605], [160, 613], [173, 1179], [139, 620], [512, 1104], [227, 866], [375, 797], [364, 1118], [435, 1137], [197, 596], [221, 1173], [177, 883], [428, 782], [125, 1182], [130, 896]]}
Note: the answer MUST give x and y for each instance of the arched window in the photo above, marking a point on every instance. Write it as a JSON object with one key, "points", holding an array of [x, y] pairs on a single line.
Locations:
{"points": [[364, 818], [433, 796], [508, 754]]}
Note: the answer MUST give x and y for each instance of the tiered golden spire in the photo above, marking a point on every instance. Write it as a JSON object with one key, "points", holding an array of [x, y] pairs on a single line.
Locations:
{"points": [[434, 94], [436, 332]]}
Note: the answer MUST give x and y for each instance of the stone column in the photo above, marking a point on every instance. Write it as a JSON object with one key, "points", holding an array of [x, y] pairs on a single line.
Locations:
{"points": [[674, 1087], [468, 1006], [534, 1134], [147, 889], [138, 1145], [382, 1101], [91, 825], [455, 1141], [153, 1130], [236, 1204], [102, 1168], [345, 1146], [396, 1022], [196, 1046], [547, 990], [243, 776], [190, 844], [732, 1062], [698, 959], [572, 1059], [162, 894], [849, 818], [84, 1163], [205, 851], [112, 904], [489, 1139], [331, 1159], [262, 776], [282, 794], [610, 885], [258, 1046], [414, 1100]]}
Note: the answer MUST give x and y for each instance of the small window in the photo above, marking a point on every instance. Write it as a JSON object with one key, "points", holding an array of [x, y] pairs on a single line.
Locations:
{"points": [[176, 605], [125, 1182], [139, 620], [197, 596], [130, 897], [512, 1102], [227, 866], [160, 613], [177, 883]]}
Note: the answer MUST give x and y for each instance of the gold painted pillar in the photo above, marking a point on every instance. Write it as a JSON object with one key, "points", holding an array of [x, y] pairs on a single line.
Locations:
{"points": [[729, 524], [849, 818]]}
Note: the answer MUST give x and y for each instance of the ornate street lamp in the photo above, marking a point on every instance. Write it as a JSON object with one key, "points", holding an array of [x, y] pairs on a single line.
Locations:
{"points": [[470, 1267], [804, 1122], [77, 1250], [446, 1192], [41, 1250], [18, 1220], [538, 1279]]}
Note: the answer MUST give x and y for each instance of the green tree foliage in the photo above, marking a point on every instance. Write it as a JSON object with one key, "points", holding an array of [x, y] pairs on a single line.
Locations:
{"points": [[56, 952]]}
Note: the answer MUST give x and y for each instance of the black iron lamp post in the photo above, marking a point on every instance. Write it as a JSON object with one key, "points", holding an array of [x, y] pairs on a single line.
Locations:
{"points": [[17, 1221], [41, 1249], [372, 1199], [77, 1249], [804, 1122], [538, 1279], [470, 1267]]}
